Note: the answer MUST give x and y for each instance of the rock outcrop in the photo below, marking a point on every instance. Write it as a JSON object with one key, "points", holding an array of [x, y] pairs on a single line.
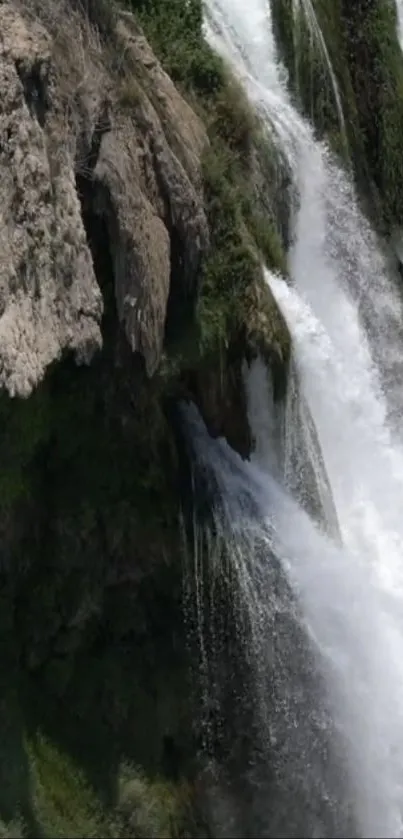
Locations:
{"points": [[50, 300], [79, 137]]}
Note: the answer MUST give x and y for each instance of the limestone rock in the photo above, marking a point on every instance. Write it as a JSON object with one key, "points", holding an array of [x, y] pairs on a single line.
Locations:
{"points": [[149, 174], [49, 298], [79, 137]]}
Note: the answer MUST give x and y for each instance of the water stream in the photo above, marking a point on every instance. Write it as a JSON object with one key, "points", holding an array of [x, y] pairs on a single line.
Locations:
{"points": [[342, 736]]}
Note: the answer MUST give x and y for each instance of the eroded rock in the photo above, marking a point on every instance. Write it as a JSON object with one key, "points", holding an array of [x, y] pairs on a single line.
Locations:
{"points": [[49, 297], [72, 135]]}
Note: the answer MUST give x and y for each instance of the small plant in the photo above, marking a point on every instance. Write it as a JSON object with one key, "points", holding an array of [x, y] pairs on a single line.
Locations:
{"points": [[175, 30]]}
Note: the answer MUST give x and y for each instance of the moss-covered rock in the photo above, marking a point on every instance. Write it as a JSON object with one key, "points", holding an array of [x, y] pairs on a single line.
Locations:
{"points": [[65, 805], [310, 37], [376, 68], [360, 39]]}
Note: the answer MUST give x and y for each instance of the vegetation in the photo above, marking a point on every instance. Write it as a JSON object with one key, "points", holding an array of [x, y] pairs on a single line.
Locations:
{"points": [[240, 233], [65, 806], [376, 67], [363, 49], [175, 31]]}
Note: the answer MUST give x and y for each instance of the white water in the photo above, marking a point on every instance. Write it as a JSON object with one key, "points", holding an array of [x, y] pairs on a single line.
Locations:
{"points": [[352, 633], [346, 321]]}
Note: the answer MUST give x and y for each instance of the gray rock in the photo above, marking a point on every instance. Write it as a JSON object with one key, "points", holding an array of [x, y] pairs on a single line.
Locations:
{"points": [[49, 297], [68, 116]]}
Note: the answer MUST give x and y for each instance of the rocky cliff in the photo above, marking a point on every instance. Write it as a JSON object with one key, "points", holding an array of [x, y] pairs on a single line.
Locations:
{"points": [[78, 142], [131, 243]]}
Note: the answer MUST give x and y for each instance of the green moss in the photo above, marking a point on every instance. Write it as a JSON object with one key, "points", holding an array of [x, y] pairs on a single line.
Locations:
{"points": [[376, 68], [151, 808], [239, 232], [175, 31], [242, 233], [65, 805], [306, 57], [361, 40]]}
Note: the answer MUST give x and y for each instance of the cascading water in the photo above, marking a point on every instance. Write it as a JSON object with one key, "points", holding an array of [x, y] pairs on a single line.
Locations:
{"points": [[286, 444], [309, 603], [332, 706]]}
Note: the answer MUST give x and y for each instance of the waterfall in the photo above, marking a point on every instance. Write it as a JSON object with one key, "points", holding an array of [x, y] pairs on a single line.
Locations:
{"points": [[312, 730], [320, 621], [286, 444]]}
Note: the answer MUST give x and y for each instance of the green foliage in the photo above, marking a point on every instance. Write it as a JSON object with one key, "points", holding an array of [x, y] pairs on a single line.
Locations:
{"points": [[174, 29], [65, 806], [305, 57], [268, 240], [361, 40], [232, 119], [376, 67], [239, 229], [232, 266]]}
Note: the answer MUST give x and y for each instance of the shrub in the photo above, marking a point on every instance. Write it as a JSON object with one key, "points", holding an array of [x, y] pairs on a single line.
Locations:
{"points": [[175, 30]]}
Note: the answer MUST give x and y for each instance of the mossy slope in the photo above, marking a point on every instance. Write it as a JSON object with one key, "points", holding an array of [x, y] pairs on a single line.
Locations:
{"points": [[362, 44]]}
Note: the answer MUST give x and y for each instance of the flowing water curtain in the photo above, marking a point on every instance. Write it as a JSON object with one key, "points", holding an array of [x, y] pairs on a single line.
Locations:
{"points": [[218, 623], [262, 683], [351, 600]]}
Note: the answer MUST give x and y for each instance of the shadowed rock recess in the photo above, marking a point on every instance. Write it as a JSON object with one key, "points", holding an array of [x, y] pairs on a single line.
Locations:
{"points": [[136, 209]]}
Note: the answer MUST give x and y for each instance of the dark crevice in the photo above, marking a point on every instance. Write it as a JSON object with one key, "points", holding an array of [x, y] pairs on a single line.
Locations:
{"points": [[35, 90], [181, 302], [182, 296], [97, 228], [88, 154], [101, 13]]}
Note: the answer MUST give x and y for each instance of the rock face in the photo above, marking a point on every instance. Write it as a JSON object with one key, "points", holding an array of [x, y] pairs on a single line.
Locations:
{"points": [[49, 298], [77, 141], [147, 181]]}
